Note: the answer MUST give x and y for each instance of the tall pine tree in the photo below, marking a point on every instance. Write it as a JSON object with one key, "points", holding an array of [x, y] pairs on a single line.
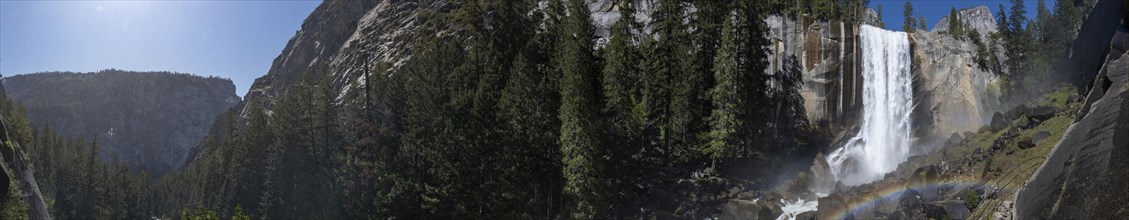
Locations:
{"points": [[580, 143]]}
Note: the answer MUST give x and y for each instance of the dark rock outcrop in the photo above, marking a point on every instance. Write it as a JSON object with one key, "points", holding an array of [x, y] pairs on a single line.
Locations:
{"points": [[1041, 113], [149, 120], [954, 139], [1091, 44], [1084, 177], [998, 122]]}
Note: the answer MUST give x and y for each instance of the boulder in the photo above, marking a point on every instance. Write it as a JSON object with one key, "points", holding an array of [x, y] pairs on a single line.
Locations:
{"points": [[1029, 123], [810, 215], [822, 179], [1041, 113], [1025, 143], [751, 210], [953, 209], [926, 174], [954, 140], [998, 122], [1016, 111], [830, 206]]}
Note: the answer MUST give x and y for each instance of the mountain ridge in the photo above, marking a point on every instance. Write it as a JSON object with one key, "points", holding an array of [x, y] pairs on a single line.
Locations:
{"points": [[147, 119]]}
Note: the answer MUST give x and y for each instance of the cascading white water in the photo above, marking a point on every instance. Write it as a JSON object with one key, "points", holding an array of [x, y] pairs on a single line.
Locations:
{"points": [[884, 138]]}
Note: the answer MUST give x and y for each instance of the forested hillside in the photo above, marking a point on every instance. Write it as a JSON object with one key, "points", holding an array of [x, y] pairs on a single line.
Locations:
{"points": [[148, 120], [504, 113]]}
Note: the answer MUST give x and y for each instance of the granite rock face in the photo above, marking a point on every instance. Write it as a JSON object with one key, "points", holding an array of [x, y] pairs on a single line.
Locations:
{"points": [[1085, 175], [149, 120], [16, 169], [319, 41], [828, 53], [1092, 43], [952, 93], [979, 18]]}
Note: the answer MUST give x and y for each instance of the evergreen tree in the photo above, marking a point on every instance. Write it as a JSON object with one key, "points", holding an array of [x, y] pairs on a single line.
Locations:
{"points": [[752, 62], [248, 183], [620, 72], [910, 22], [682, 114], [955, 25], [725, 121], [1003, 27], [921, 23], [1017, 43], [580, 144]]}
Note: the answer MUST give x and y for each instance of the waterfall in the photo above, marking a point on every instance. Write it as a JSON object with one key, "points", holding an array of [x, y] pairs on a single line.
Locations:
{"points": [[884, 138]]}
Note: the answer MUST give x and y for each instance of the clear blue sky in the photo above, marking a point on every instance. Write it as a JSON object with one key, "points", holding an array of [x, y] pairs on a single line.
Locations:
{"points": [[231, 39], [933, 10]]}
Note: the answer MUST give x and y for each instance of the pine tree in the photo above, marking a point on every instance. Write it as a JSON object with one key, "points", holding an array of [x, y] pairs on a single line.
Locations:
{"points": [[752, 62], [1018, 16], [620, 69], [580, 144], [1003, 27], [286, 166], [683, 112], [910, 23], [1017, 43], [955, 26], [246, 182], [87, 204], [725, 122], [921, 23]]}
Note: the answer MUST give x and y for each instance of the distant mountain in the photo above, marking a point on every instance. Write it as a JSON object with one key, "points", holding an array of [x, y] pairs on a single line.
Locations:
{"points": [[149, 120]]}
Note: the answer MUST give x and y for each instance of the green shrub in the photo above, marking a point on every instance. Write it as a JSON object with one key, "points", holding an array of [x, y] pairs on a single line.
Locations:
{"points": [[971, 200]]}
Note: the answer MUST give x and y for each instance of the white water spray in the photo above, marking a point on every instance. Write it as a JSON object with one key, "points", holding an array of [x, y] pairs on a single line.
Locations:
{"points": [[884, 138]]}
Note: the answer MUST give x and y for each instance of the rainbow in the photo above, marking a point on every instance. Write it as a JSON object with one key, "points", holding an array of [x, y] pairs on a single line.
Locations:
{"points": [[893, 192]]}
